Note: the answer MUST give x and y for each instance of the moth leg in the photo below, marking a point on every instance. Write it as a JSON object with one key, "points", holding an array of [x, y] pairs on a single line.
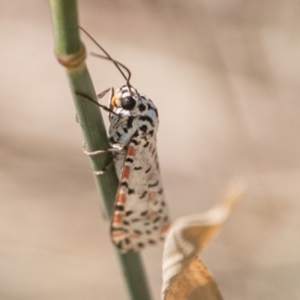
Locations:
{"points": [[99, 173], [92, 153], [109, 165]]}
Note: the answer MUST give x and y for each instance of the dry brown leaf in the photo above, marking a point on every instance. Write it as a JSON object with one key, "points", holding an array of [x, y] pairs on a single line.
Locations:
{"points": [[184, 276], [194, 283]]}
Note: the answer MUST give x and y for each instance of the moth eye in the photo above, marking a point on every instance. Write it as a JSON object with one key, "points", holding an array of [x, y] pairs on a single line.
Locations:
{"points": [[128, 103]]}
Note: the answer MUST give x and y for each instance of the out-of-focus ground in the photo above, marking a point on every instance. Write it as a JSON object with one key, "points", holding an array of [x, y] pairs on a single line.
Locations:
{"points": [[225, 77]]}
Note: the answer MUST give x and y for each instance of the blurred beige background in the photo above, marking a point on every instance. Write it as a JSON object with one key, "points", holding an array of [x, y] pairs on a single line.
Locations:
{"points": [[225, 77]]}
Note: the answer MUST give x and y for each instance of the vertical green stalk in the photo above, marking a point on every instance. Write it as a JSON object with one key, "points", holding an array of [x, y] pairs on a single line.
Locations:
{"points": [[71, 54]]}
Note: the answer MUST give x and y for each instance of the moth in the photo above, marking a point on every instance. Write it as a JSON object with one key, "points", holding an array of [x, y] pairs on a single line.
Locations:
{"points": [[140, 216]]}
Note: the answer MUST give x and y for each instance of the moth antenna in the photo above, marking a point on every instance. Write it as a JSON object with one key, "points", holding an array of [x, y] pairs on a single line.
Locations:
{"points": [[116, 63], [97, 103]]}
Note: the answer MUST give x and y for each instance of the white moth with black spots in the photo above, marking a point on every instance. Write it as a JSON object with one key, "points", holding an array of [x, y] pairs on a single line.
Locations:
{"points": [[140, 216]]}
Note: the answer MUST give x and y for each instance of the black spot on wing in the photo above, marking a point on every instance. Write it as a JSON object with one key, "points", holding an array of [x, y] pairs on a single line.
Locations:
{"points": [[128, 159], [142, 107], [134, 136], [124, 184], [156, 219], [140, 245], [134, 141], [154, 184], [129, 122], [119, 207], [148, 170], [131, 191], [135, 220], [112, 228], [143, 128], [143, 195], [128, 213], [147, 119], [137, 168]]}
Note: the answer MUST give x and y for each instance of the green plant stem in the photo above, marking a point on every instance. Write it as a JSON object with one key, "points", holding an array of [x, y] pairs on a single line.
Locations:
{"points": [[67, 42]]}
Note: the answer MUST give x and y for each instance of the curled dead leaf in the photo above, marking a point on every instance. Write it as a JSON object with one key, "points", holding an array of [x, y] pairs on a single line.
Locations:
{"points": [[184, 276]]}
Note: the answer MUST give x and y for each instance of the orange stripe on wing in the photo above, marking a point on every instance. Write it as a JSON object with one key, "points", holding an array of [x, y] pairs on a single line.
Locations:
{"points": [[117, 219], [135, 236], [131, 151], [151, 196], [151, 176], [165, 228], [121, 198], [125, 172]]}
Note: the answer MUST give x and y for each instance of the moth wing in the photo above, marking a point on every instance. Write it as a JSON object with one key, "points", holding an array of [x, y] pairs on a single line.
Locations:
{"points": [[140, 215]]}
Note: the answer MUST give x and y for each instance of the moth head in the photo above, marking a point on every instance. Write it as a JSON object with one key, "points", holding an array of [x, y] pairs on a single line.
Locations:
{"points": [[126, 97]]}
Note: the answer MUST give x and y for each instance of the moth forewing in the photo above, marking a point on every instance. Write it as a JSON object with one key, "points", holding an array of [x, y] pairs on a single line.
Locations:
{"points": [[140, 217]]}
